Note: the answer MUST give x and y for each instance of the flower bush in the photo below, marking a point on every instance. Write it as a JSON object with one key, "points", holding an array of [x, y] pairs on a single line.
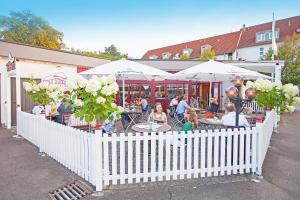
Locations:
{"points": [[275, 95], [93, 99], [42, 93]]}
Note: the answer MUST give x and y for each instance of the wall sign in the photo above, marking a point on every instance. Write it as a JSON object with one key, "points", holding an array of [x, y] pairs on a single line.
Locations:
{"points": [[11, 64], [57, 79]]}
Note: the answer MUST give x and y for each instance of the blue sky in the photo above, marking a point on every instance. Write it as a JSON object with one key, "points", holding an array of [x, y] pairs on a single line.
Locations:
{"points": [[136, 26]]}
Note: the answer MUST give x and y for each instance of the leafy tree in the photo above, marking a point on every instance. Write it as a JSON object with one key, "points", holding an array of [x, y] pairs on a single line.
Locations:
{"points": [[184, 56], [208, 54], [98, 54], [112, 50], [25, 27], [288, 51]]}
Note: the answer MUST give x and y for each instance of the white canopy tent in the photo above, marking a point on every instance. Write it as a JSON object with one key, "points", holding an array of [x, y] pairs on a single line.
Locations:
{"points": [[216, 71], [128, 70]]}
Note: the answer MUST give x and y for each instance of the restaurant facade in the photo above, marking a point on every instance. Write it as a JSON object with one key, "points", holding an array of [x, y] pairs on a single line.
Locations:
{"points": [[20, 62]]}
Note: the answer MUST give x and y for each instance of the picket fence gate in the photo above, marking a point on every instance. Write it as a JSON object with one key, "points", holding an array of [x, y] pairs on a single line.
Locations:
{"points": [[147, 157]]}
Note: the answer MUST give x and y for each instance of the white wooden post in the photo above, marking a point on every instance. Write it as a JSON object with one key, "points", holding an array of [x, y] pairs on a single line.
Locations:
{"points": [[18, 87], [259, 148], [277, 72], [98, 162], [8, 103]]}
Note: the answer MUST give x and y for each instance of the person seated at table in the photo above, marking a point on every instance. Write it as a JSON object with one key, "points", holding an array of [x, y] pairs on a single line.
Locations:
{"points": [[182, 106], [63, 109], [144, 104], [194, 103], [214, 105], [37, 109], [109, 125], [158, 115], [191, 122], [174, 101], [229, 118]]}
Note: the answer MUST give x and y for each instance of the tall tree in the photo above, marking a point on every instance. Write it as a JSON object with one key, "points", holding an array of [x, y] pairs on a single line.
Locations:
{"points": [[112, 50], [289, 51], [25, 27], [208, 54]]}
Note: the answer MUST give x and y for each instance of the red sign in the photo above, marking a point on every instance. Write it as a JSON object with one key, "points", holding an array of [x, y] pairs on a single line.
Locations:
{"points": [[11, 64], [56, 80]]}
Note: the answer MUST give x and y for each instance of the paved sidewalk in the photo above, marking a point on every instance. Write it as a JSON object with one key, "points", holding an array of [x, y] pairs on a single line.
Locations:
{"points": [[24, 175]]}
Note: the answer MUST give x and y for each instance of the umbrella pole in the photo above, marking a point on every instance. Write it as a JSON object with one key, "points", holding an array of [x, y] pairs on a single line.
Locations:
{"points": [[123, 86], [210, 86]]}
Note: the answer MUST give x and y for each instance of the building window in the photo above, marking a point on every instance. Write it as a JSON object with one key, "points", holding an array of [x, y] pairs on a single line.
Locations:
{"points": [[229, 56], [204, 47], [266, 35], [261, 52], [159, 91], [187, 51], [166, 55], [172, 90], [152, 57]]}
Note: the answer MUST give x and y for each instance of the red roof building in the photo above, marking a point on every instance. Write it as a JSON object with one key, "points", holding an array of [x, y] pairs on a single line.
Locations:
{"points": [[230, 46]]}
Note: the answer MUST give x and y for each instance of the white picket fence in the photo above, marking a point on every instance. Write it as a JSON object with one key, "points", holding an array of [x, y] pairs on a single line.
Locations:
{"points": [[143, 157], [254, 106], [266, 129]]}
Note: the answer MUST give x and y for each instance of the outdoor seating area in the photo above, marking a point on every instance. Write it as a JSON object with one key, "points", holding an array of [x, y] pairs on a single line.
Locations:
{"points": [[109, 140]]}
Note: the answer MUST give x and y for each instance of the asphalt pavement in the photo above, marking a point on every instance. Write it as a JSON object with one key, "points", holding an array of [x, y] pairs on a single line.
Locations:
{"points": [[25, 175]]}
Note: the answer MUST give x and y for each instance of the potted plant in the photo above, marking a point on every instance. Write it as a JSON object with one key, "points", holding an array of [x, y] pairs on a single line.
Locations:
{"points": [[93, 99]]}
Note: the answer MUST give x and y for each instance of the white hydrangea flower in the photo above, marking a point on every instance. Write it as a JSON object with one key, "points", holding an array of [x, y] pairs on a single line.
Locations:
{"points": [[92, 86], [291, 109], [249, 84], [290, 90], [111, 79], [106, 90], [103, 80], [81, 82], [27, 86], [72, 84], [263, 85], [35, 88], [100, 100], [296, 101], [278, 85], [78, 103], [44, 85], [114, 87]]}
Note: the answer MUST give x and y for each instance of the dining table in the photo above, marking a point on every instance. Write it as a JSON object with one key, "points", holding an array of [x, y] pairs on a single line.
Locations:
{"points": [[210, 123], [145, 127]]}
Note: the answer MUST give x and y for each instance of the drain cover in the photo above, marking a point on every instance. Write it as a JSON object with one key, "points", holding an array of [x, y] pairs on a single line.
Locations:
{"points": [[73, 191]]}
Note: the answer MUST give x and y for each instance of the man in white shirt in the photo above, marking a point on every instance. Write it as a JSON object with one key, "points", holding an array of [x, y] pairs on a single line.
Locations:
{"points": [[174, 101], [229, 118]]}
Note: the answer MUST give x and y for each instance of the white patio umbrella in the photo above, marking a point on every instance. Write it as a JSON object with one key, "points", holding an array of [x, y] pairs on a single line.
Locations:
{"points": [[125, 69], [218, 71]]}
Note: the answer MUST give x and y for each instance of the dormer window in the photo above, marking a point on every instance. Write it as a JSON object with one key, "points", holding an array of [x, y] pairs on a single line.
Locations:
{"points": [[187, 51], [266, 35], [205, 47], [153, 57], [166, 55]]}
